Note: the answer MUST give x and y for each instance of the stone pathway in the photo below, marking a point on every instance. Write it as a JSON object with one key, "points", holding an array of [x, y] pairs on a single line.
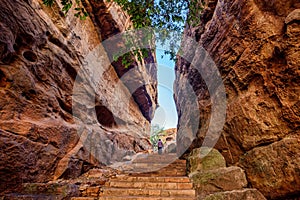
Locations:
{"points": [[149, 177], [142, 181], [152, 177]]}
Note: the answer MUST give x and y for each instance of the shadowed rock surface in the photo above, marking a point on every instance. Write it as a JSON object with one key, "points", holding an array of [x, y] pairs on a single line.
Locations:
{"points": [[255, 46], [52, 67]]}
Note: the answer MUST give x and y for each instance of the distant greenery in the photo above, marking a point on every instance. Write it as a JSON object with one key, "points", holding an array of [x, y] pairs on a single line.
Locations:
{"points": [[155, 134]]}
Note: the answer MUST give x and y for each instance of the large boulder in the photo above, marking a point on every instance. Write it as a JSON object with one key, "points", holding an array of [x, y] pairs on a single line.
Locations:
{"points": [[249, 194], [219, 180], [274, 169], [204, 158]]}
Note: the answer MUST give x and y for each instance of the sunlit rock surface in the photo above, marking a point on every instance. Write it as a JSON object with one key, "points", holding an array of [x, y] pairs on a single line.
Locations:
{"points": [[255, 46], [52, 67]]}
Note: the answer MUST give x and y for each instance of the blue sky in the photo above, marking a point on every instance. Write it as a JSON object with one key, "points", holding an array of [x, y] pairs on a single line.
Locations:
{"points": [[166, 114]]}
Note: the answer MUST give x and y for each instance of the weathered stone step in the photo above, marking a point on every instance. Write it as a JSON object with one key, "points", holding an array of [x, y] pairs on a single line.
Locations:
{"points": [[158, 165], [164, 158], [145, 198], [150, 185], [163, 170], [182, 179], [159, 160], [166, 172], [169, 173], [156, 168], [150, 168], [147, 192]]}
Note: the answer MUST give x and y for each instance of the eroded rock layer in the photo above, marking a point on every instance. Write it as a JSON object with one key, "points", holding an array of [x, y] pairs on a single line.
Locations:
{"points": [[63, 108], [255, 46]]}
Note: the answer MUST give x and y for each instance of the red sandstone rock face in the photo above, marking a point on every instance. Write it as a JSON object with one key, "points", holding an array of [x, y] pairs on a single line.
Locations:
{"points": [[41, 54], [255, 45]]}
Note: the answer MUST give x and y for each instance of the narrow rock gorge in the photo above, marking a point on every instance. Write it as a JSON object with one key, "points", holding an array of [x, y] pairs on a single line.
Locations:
{"points": [[69, 107], [255, 46], [63, 107]]}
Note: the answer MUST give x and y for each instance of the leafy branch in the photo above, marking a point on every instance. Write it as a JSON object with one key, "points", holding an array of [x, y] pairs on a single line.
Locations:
{"points": [[67, 5], [165, 15]]}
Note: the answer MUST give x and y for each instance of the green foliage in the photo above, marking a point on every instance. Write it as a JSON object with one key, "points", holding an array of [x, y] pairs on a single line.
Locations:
{"points": [[165, 15], [195, 9], [156, 133], [48, 2], [162, 14], [67, 5]]}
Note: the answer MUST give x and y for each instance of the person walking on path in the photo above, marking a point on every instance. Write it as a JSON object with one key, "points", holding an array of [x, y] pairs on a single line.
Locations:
{"points": [[160, 146]]}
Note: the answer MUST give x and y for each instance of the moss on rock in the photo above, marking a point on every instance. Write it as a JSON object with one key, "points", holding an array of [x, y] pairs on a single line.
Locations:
{"points": [[204, 158]]}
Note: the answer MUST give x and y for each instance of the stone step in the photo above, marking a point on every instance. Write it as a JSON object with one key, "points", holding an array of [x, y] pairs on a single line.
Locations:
{"points": [[163, 170], [150, 168], [158, 174], [150, 185], [145, 198], [162, 192], [159, 160], [152, 163], [180, 179], [170, 173], [164, 158], [156, 167]]}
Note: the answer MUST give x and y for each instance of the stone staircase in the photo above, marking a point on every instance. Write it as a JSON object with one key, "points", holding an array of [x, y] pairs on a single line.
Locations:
{"points": [[153, 178], [148, 177]]}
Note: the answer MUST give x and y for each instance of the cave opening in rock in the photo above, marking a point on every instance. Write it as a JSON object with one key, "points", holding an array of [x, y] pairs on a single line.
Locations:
{"points": [[105, 116], [30, 56]]}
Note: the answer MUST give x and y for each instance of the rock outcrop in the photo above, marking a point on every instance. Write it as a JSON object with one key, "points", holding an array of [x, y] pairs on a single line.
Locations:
{"points": [[169, 139], [255, 46], [63, 108], [213, 180]]}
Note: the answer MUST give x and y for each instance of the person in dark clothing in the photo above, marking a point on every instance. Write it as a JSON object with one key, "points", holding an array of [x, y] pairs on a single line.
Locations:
{"points": [[160, 146]]}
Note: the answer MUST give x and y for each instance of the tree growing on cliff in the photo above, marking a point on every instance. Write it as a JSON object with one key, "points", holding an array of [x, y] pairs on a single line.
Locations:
{"points": [[169, 14], [164, 15]]}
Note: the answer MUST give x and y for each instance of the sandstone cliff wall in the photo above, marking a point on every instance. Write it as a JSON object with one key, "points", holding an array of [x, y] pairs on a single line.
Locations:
{"points": [[53, 67], [255, 45]]}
